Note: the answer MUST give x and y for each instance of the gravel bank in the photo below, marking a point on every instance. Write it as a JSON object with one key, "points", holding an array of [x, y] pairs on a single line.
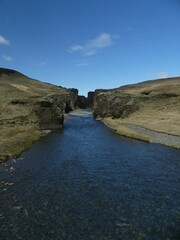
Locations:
{"points": [[157, 137], [142, 133]]}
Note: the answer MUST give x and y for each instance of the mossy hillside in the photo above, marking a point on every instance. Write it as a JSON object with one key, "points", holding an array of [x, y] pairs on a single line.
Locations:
{"points": [[22, 111], [153, 105]]}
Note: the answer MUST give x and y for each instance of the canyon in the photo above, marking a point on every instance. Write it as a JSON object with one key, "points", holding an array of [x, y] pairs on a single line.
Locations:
{"points": [[29, 109], [148, 111]]}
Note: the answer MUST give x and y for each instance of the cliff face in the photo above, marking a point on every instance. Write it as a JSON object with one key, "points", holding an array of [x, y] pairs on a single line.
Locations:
{"points": [[91, 99], [71, 101], [26, 99], [114, 104], [82, 102], [27, 106], [151, 104]]}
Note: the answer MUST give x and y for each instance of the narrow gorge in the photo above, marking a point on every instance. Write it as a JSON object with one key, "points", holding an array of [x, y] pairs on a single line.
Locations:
{"points": [[148, 111], [81, 180], [29, 109]]}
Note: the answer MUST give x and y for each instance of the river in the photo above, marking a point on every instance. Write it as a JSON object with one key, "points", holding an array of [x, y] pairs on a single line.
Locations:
{"points": [[85, 182]]}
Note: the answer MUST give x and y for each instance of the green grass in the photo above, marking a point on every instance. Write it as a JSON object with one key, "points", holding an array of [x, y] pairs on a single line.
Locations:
{"points": [[15, 140], [17, 121]]}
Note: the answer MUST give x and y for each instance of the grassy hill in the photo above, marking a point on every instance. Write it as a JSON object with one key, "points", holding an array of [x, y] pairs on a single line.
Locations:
{"points": [[21, 103], [153, 105]]}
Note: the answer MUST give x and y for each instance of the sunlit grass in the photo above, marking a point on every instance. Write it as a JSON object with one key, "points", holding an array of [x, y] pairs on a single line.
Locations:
{"points": [[16, 139]]}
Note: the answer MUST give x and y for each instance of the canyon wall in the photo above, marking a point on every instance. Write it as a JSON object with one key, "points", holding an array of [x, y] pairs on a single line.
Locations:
{"points": [[152, 105], [27, 107], [114, 104]]}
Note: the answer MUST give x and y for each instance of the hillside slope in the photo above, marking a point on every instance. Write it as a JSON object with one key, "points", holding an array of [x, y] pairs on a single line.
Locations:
{"points": [[26, 107], [135, 109]]}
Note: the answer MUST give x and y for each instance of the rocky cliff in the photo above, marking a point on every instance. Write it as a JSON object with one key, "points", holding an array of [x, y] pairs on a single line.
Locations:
{"points": [[82, 102], [153, 105], [114, 104], [91, 99], [26, 107]]}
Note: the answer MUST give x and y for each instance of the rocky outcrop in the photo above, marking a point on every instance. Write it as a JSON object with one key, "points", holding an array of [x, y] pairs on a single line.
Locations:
{"points": [[111, 104], [153, 105], [51, 108], [27, 107], [91, 99], [49, 111], [71, 102], [81, 102], [122, 102]]}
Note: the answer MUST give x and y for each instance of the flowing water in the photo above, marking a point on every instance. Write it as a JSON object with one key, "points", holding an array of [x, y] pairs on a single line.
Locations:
{"points": [[85, 182]]}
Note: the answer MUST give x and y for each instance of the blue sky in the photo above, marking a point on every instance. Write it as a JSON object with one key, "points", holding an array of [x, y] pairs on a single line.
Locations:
{"points": [[90, 44]]}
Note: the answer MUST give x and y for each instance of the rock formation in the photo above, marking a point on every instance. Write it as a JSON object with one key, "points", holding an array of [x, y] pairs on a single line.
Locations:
{"points": [[81, 102], [71, 102], [153, 105], [90, 99], [28, 106], [112, 104]]}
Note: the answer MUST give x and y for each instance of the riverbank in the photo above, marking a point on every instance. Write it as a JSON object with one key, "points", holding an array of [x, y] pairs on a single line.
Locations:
{"points": [[142, 133], [132, 130], [87, 183], [17, 138], [77, 113], [28, 108], [148, 111]]}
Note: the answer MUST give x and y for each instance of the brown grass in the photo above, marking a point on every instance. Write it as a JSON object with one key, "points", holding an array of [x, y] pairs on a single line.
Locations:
{"points": [[18, 122], [15, 140], [159, 108]]}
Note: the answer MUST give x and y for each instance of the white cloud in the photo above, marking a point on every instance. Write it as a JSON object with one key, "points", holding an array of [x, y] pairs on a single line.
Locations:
{"points": [[92, 46], [7, 58], [102, 41], [76, 48], [42, 64], [162, 75], [82, 64], [90, 52], [4, 41]]}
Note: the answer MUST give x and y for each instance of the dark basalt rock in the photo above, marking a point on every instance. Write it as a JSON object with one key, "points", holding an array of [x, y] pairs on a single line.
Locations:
{"points": [[82, 102], [49, 111], [51, 108], [91, 99], [113, 105], [72, 101], [123, 101]]}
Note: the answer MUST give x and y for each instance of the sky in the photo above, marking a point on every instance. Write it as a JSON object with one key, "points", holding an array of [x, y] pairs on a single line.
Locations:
{"points": [[91, 44]]}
